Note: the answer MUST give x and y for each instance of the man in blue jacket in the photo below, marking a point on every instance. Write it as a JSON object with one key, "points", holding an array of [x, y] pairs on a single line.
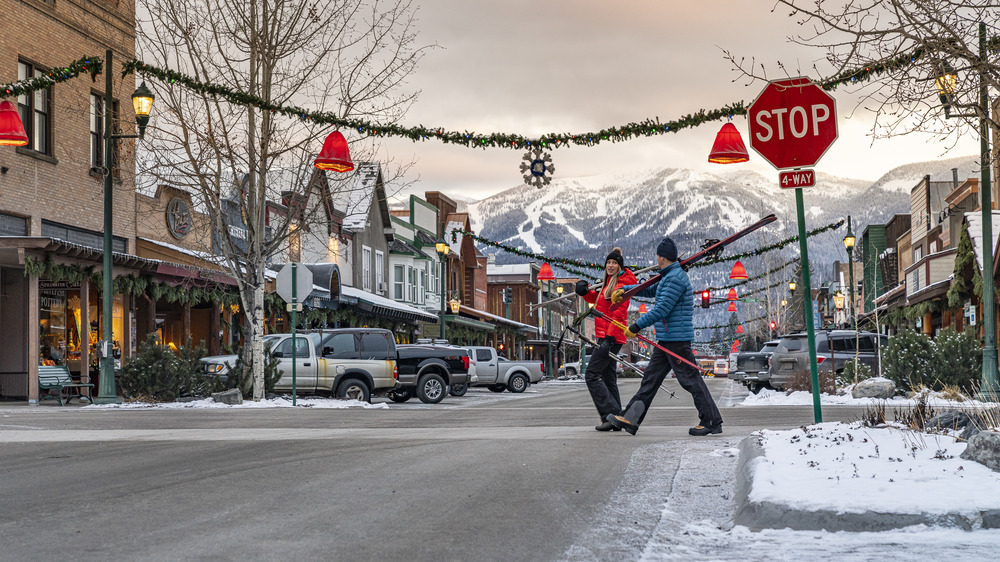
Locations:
{"points": [[671, 314]]}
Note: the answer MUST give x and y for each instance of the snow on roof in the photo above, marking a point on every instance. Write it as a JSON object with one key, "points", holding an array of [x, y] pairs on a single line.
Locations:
{"points": [[975, 221], [509, 269], [455, 246], [496, 318], [361, 196], [207, 256], [386, 303]]}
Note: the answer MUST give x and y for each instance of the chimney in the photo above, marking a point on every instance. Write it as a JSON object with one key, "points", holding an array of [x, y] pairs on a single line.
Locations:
{"points": [[491, 259], [954, 178]]}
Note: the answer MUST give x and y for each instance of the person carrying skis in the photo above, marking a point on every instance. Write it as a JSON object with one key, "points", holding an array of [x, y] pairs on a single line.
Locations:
{"points": [[672, 314], [601, 375]]}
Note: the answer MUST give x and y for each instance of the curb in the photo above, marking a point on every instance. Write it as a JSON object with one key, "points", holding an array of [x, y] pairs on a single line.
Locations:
{"points": [[757, 516]]}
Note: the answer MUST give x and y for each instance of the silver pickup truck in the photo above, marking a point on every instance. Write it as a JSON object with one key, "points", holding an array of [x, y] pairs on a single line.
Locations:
{"points": [[499, 373]]}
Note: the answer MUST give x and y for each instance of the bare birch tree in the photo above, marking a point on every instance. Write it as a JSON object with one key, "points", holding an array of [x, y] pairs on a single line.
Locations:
{"points": [[347, 57], [891, 52]]}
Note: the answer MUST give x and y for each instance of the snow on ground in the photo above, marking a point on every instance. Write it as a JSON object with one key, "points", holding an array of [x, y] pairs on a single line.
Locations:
{"points": [[279, 402], [937, 400]]}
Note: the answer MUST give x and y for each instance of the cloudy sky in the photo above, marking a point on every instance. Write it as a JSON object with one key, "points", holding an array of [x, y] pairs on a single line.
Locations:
{"points": [[532, 67]]}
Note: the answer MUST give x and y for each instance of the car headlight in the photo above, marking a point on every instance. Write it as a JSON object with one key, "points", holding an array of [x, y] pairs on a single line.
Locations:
{"points": [[211, 368]]}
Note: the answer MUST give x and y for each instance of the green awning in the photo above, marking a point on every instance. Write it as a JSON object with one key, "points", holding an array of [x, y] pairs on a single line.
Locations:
{"points": [[475, 324]]}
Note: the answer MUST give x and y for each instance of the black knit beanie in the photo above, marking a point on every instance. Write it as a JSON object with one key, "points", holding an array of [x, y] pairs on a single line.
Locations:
{"points": [[667, 249], [616, 254]]}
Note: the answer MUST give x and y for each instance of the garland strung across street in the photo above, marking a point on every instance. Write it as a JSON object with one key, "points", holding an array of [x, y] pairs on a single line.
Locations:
{"points": [[765, 249], [88, 65], [720, 326]]}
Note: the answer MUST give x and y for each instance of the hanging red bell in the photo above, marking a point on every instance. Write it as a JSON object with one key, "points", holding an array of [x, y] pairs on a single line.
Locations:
{"points": [[739, 329], [11, 129], [728, 147], [732, 295], [732, 306], [738, 272], [545, 273], [335, 155], [643, 309]]}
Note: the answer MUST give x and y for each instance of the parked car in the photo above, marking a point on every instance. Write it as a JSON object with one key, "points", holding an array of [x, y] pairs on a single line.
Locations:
{"points": [[351, 363], [499, 373], [428, 370], [834, 348], [750, 365], [574, 367]]}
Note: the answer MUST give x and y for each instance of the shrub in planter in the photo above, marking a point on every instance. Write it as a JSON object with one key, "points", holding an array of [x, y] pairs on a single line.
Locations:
{"points": [[907, 359], [957, 360], [158, 373]]}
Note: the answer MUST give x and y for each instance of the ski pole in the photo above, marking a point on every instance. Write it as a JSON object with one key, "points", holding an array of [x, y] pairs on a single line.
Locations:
{"points": [[643, 338], [619, 358]]}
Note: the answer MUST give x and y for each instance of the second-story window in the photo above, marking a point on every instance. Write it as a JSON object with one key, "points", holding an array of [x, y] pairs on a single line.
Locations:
{"points": [[380, 272], [35, 111], [366, 268], [398, 283]]}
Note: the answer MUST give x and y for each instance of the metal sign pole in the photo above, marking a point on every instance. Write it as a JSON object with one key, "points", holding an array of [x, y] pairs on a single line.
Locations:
{"points": [[294, 308], [807, 310]]}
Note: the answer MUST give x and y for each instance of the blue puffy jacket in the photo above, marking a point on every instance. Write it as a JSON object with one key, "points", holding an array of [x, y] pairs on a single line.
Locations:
{"points": [[673, 310]]}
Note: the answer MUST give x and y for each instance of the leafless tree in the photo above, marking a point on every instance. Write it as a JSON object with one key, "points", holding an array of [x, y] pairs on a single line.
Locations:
{"points": [[891, 52], [347, 57]]}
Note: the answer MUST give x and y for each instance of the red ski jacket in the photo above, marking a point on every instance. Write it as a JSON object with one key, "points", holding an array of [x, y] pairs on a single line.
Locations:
{"points": [[602, 326]]}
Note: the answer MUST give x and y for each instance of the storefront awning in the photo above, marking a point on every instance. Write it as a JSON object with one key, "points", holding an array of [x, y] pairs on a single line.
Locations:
{"points": [[383, 306], [472, 323]]}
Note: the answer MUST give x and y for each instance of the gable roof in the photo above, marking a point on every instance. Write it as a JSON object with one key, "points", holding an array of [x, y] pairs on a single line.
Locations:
{"points": [[367, 189]]}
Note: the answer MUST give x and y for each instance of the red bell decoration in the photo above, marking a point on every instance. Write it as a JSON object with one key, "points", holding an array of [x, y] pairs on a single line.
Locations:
{"points": [[643, 309], [728, 147], [545, 273], [732, 295], [738, 272], [739, 329], [11, 129], [335, 155], [732, 306]]}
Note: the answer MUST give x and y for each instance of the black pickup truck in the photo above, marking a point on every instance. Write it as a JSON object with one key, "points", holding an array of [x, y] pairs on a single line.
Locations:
{"points": [[427, 370], [750, 365]]}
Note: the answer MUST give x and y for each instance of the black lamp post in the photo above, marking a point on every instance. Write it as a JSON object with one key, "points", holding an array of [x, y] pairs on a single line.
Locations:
{"points": [[142, 103], [849, 244], [946, 84]]}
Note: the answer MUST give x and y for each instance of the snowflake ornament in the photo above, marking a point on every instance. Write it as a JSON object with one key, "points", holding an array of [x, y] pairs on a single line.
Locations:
{"points": [[537, 168]]}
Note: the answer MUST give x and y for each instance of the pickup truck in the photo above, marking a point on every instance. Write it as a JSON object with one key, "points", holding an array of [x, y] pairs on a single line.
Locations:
{"points": [[427, 370], [750, 365], [351, 363], [499, 373]]}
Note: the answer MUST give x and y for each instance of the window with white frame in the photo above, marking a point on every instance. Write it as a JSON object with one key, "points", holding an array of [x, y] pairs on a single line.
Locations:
{"points": [[432, 277], [398, 282], [411, 285], [421, 286], [380, 271], [366, 268]]}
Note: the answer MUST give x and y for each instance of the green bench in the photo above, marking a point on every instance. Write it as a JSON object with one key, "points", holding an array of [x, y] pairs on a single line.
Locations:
{"points": [[58, 378]]}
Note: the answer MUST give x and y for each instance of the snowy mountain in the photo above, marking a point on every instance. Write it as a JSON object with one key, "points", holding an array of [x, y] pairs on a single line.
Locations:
{"points": [[583, 218]]}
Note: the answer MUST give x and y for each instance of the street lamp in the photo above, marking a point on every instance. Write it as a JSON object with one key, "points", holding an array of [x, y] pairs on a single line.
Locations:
{"points": [[791, 286], [442, 250], [142, 104], [946, 83], [455, 305], [545, 274], [849, 244]]}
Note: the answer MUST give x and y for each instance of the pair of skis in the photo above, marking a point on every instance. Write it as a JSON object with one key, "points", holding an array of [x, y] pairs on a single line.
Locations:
{"points": [[713, 248]]}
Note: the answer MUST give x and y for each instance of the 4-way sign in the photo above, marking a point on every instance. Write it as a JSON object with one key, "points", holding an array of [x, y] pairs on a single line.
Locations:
{"points": [[792, 123]]}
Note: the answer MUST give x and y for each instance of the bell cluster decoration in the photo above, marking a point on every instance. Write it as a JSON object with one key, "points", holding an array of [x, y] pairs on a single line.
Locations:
{"points": [[537, 168]]}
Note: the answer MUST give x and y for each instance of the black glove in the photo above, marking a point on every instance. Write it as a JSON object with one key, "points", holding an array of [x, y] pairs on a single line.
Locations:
{"points": [[582, 288]]}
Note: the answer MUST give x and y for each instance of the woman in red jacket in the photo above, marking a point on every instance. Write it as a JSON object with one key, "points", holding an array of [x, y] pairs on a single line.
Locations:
{"points": [[601, 375]]}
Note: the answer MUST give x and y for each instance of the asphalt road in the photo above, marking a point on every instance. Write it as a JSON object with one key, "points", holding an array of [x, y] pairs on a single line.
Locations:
{"points": [[485, 476]]}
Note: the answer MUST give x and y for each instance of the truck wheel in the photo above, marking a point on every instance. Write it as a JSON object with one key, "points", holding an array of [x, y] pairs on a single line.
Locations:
{"points": [[517, 383], [353, 389], [458, 389], [431, 388], [497, 387], [571, 372], [400, 395]]}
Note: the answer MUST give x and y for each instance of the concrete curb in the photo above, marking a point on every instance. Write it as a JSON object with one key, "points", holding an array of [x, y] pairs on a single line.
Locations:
{"points": [[769, 515]]}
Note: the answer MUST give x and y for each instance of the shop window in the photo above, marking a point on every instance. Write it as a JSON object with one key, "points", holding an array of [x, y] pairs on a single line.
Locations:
{"points": [[398, 271], [11, 225], [81, 236]]}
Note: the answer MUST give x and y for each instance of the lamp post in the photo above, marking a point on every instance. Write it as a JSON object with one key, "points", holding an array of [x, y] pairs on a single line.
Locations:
{"points": [[989, 386], [849, 244], [559, 291], [442, 250], [546, 274], [142, 103]]}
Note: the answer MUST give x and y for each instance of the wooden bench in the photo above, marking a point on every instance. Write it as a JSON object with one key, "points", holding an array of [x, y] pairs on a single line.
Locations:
{"points": [[58, 378]]}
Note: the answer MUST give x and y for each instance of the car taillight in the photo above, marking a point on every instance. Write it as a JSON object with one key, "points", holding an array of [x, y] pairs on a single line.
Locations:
{"points": [[820, 359], [395, 372], [465, 362], [542, 367]]}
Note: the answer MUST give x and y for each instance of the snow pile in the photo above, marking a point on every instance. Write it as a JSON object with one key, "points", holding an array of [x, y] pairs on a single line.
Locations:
{"points": [[937, 400], [850, 468]]}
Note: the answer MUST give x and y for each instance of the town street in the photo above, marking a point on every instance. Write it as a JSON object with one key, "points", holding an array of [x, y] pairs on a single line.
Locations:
{"points": [[485, 476]]}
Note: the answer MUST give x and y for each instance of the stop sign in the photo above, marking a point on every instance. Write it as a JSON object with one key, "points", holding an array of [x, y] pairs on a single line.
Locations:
{"points": [[792, 123]]}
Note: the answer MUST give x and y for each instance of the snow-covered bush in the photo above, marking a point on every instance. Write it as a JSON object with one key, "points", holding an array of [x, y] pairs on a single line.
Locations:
{"points": [[907, 359], [957, 362], [160, 374]]}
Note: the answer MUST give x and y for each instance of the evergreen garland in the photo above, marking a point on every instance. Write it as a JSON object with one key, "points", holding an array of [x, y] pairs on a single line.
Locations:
{"points": [[85, 65]]}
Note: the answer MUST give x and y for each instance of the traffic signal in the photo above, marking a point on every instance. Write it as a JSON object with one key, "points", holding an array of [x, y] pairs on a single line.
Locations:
{"points": [[508, 295], [704, 299], [774, 326]]}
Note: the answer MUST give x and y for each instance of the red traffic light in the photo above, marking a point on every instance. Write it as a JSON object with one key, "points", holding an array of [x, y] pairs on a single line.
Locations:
{"points": [[774, 326], [704, 299]]}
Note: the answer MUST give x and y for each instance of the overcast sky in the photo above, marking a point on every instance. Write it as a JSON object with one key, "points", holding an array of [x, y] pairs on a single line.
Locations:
{"points": [[538, 66]]}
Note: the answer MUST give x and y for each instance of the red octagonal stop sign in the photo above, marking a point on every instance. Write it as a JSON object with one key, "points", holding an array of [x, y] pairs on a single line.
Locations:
{"points": [[792, 123]]}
